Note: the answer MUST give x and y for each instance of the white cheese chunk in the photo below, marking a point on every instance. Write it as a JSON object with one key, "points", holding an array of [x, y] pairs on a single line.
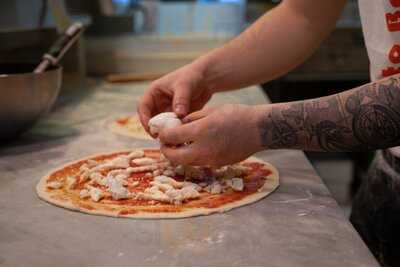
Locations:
{"points": [[237, 184], [168, 180], [136, 154], [193, 185], [142, 168], [163, 120], [144, 161], [95, 194], [84, 193], [71, 182], [161, 186], [54, 185], [216, 188], [117, 190]]}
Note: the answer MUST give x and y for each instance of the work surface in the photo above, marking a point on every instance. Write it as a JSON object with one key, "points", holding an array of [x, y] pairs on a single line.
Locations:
{"points": [[298, 225]]}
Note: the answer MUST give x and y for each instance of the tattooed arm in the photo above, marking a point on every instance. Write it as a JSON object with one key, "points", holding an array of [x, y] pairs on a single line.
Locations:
{"points": [[365, 118]]}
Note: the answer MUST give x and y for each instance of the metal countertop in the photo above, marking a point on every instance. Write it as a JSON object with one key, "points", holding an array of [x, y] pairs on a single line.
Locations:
{"points": [[298, 225]]}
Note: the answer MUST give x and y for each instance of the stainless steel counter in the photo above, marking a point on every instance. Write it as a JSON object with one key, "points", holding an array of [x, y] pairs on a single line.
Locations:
{"points": [[298, 225]]}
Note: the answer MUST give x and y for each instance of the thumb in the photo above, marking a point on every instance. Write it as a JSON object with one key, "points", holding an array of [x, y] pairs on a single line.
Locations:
{"points": [[181, 101]]}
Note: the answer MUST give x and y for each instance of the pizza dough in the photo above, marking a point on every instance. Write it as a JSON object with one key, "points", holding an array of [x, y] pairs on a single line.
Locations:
{"points": [[143, 184], [129, 126]]}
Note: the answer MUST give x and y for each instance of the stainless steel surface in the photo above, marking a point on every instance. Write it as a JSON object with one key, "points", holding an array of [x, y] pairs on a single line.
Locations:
{"points": [[298, 225], [25, 96]]}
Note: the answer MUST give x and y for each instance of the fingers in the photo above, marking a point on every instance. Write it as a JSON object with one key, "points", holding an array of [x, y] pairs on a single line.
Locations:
{"points": [[197, 115], [185, 133], [145, 109], [184, 155], [181, 101]]}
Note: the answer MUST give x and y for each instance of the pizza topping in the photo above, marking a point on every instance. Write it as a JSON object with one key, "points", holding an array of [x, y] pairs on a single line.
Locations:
{"points": [[117, 190], [163, 120], [195, 186], [168, 180], [71, 182], [84, 193], [215, 188], [161, 186], [144, 161], [237, 184], [95, 194], [146, 178], [54, 184], [142, 168], [136, 154]]}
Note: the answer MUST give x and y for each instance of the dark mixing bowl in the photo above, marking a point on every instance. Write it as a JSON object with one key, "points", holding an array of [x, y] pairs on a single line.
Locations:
{"points": [[25, 96]]}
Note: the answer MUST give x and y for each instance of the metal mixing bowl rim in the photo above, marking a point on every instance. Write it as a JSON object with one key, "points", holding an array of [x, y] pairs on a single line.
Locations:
{"points": [[52, 68]]}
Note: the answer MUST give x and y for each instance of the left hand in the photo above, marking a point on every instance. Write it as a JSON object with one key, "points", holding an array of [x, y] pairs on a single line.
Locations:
{"points": [[213, 136]]}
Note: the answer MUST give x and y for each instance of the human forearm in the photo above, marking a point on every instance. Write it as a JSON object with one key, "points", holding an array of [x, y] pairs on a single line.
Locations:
{"points": [[365, 118], [276, 43]]}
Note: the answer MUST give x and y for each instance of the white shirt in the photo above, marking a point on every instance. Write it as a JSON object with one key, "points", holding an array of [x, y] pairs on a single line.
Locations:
{"points": [[381, 26]]}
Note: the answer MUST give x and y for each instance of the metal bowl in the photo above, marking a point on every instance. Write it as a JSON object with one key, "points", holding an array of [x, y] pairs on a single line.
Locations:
{"points": [[25, 96]]}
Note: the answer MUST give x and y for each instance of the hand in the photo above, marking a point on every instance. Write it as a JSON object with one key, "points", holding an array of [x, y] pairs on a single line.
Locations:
{"points": [[214, 137], [182, 91]]}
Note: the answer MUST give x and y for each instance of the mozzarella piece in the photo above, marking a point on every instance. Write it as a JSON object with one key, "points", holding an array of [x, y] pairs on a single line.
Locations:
{"points": [[192, 185], [216, 188], [237, 184], [135, 183], [71, 182], [189, 193], [161, 186], [84, 193], [163, 120], [117, 190], [95, 194], [54, 184], [142, 168], [148, 175], [168, 180], [136, 154], [144, 161]]}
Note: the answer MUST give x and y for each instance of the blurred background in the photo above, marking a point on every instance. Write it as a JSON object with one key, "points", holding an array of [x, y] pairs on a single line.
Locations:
{"points": [[146, 39]]}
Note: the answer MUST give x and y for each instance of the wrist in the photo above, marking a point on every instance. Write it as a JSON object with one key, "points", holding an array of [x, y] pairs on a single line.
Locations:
{"points": [[261, 118], [207, 68]]}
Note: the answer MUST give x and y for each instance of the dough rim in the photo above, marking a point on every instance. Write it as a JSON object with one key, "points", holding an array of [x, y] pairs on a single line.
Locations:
{"points": [[116, 128]]}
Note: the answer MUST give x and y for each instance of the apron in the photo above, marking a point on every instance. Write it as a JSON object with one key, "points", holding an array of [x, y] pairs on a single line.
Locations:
{"points": [[376, 206]]}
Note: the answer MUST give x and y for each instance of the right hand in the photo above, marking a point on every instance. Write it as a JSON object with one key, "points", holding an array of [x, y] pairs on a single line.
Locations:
{"points": [[182, 91]]}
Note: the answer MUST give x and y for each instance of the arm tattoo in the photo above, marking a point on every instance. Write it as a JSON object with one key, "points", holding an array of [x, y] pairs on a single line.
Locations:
{"points": [[365, 118]]}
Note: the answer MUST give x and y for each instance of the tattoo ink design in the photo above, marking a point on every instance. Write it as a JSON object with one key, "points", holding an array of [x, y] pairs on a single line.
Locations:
{"points": [[365, 118], [279, 133]]}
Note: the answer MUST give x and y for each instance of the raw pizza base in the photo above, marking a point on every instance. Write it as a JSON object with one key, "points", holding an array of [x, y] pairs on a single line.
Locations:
{"points": [[268, 187], [135, 130]]}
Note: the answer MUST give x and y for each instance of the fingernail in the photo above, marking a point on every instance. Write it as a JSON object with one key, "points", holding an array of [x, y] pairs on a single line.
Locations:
{"points": [[180, 109]]}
